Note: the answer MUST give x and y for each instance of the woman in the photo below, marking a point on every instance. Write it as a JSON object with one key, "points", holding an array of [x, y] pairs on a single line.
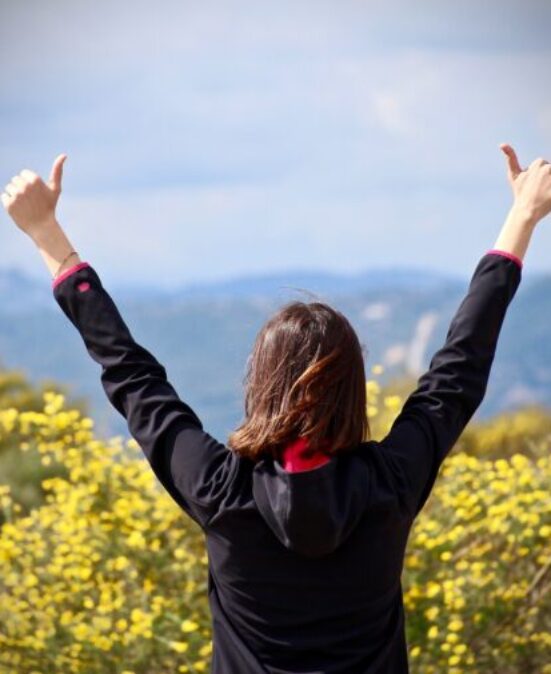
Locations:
{"points": [[305, 518]]}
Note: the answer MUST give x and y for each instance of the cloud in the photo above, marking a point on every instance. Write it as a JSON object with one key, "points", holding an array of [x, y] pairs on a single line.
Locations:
{"points": [[262, 135]]}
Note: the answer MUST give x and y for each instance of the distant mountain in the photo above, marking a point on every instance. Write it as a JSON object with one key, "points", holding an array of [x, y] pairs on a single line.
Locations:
{"points": [[295, 280], [203, 334]]}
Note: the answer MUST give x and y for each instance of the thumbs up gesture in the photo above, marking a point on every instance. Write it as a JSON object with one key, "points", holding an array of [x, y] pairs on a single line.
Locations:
{"points": [[531, 186], [30, 201]]}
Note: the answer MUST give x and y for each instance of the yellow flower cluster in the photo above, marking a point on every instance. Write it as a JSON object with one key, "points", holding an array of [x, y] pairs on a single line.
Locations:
{"points": [[476, 585], [382, 404], [477, 581], [107, 570]]}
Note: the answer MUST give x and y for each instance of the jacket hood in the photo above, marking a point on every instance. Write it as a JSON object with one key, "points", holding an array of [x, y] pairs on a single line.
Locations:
{"points": [[312, 511]]}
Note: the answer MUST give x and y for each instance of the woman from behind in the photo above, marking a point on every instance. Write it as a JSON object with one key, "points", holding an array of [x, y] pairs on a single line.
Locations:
{"points": [[305, 517]]}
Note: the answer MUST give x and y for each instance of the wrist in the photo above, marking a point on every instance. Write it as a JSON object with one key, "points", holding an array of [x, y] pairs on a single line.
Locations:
{"points": [[516, 232], [522, 217], [54, 246], [70, 260]]}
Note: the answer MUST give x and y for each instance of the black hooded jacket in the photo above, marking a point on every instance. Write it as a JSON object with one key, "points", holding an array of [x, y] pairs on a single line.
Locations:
{"points": [[304, 567]]}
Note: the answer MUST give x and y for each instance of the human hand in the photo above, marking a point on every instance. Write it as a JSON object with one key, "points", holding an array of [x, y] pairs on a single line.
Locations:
{"points": [[30, 201], [531, 187]]}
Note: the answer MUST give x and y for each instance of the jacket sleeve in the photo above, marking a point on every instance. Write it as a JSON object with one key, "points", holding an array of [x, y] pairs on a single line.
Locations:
{"points": [[449, 392], [192, 466]]}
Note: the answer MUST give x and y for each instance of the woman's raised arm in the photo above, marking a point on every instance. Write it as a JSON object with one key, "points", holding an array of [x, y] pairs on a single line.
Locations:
{"points": [[192, 465], [447, 395]]}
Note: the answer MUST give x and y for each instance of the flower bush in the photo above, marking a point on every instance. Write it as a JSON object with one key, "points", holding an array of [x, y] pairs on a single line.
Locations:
{"points": [[477, 587], [109, 575]]}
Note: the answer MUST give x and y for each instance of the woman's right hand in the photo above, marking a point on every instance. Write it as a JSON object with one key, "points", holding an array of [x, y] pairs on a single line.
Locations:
{"points": [[531, 187]]}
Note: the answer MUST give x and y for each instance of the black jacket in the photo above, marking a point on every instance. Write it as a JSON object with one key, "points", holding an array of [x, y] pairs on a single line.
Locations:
{"points": [[304, 567]]}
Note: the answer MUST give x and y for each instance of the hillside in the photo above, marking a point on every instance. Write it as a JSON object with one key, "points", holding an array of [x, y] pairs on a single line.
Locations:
{"points": [[204, 333]]}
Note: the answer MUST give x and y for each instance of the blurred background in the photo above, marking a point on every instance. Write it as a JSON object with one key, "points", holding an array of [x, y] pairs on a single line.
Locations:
{"points": [[224, 157]]}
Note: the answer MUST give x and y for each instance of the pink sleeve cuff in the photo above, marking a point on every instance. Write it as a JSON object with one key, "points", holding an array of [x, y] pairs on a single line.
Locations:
{"points": [[505, 253], [68, 272]]}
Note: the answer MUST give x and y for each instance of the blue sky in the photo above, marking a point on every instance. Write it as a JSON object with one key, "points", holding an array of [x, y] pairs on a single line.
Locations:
{"points": [[207, 140]]}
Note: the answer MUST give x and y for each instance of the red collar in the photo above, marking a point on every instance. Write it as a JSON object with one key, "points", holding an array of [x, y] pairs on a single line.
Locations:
{"points": [[293, 458]]}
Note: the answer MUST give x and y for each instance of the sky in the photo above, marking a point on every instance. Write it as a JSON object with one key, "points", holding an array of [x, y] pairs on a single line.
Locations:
{"points": [[210, 140]]}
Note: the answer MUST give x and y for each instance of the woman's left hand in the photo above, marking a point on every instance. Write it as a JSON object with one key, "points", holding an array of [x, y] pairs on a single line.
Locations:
{"points": [[30, 201]]}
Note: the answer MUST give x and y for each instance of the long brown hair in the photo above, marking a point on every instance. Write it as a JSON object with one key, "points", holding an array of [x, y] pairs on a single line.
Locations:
{"points": [[305, 377]]}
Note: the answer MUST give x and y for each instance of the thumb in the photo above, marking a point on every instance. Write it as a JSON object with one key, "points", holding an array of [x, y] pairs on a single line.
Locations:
{"points": [[57, 172], [513, 165]]}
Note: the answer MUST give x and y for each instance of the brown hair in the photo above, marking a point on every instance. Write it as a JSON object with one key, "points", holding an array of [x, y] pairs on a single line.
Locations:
{"points": [[305, 377]]}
